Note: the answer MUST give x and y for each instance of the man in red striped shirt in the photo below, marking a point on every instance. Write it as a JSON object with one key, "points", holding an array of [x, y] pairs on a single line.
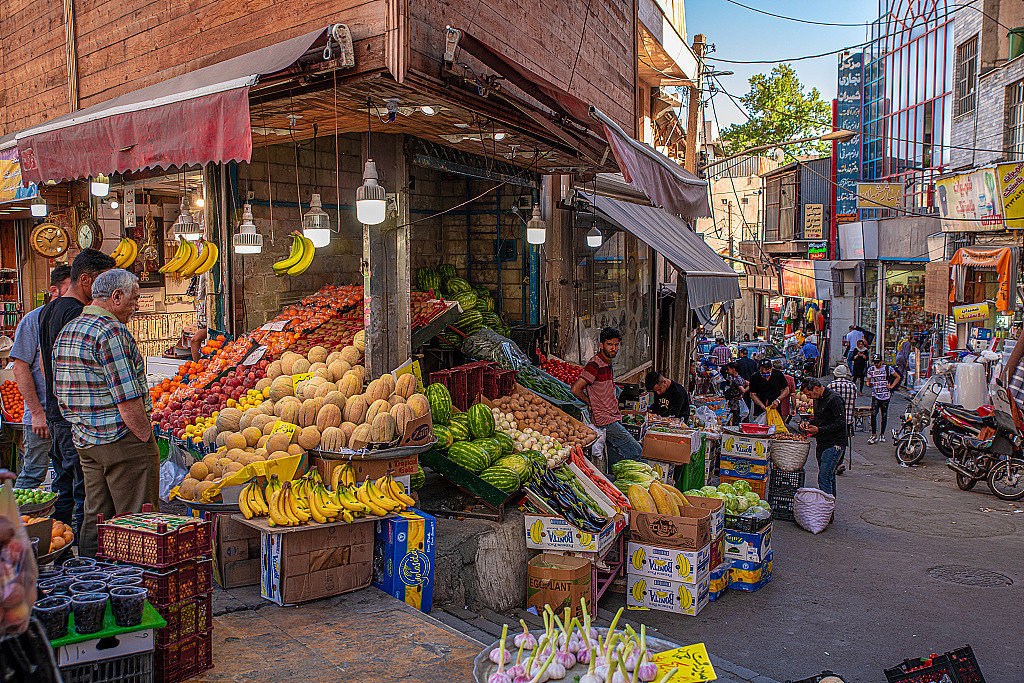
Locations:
{"points": [[596, 388]]}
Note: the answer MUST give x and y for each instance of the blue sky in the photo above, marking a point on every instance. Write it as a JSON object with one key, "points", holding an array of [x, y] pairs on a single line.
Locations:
{"points": [[738, 33]]}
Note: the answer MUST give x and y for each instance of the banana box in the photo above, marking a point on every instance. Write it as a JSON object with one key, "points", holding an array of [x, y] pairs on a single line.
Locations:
{"points": [[403, 557], [551, 532], [750, 547], [687, 566], [718, 580], [745, 445], [717, 509], [744, 468], [750, 576], [667, 596]]}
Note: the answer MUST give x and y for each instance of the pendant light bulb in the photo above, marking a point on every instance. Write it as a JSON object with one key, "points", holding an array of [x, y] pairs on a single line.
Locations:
{"points": [[186, 227], [100, 186], [247, 240], [536, 228], [38, 207], [370, 197], [316, 224], [594, 238]]}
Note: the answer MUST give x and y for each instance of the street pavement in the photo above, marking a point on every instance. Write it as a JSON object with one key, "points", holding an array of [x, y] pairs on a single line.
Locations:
{"points": [[875, 587]]}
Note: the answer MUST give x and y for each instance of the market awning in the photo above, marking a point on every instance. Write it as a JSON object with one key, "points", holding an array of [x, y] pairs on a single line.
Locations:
{"points": [[1004, 260], [709, 279], [195, 118], [858, 277], [664, 182]]}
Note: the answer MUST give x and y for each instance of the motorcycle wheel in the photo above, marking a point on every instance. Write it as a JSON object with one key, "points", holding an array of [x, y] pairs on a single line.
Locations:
{"points": [[1006, 479], [941, 443], [964, 482], [910, 449]]}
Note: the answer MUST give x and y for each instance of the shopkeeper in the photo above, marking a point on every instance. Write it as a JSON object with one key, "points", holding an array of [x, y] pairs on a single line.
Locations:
{"points": [[670, 398], [768, 388], [197, 289]]}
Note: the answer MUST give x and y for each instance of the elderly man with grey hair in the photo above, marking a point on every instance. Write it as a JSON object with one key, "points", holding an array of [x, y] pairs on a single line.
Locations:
{"points": [[100, 383]]}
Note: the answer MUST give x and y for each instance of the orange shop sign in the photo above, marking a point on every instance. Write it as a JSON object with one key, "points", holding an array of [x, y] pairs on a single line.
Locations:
{"points": [[798, 279], [999, 259]]}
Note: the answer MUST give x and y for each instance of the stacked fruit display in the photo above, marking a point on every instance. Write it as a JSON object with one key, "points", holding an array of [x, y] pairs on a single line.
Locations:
{"points": [[561, 370], [306, 499], [525, 413], [60, 533], [32, 496], [11, 401], [478, 305]]}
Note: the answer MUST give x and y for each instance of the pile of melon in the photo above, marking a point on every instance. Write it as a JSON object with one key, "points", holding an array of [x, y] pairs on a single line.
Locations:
{"points": [[212, 468]]}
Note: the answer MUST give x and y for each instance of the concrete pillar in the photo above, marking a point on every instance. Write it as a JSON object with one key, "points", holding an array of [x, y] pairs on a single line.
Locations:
{"points": [[386, 261]]}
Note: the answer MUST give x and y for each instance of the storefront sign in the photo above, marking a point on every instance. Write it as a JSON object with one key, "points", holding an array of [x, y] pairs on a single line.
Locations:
{"points": [[971, 313], [848, 117], [879, 195], [1011, 186], [817, 251], [798, 279], [129, 206], [813, 220], [1002, 260], [10, 178], [846, 218], [970, 202]]}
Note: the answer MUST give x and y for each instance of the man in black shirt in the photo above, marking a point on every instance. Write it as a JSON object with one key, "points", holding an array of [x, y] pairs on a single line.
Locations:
{"points": [[768, 388], [828, 427], [68, 480], [670, 398], [746, 365]]}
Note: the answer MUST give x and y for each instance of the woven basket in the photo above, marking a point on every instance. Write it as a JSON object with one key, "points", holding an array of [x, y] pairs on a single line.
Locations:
{"points": [[790, 456]]}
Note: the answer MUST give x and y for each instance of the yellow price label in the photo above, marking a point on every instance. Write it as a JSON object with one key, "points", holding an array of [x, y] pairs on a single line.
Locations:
{"points": [[282, 427], [692, 661], [415, 369], [301, 377]]}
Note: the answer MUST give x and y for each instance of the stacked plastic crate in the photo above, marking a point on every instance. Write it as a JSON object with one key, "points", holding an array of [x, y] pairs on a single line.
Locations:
{"points": [[175, 554]]}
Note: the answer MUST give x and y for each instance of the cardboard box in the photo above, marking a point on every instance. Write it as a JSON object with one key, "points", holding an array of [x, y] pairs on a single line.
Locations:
{"points": [[674, 447], [717, 554], [746, 546], [691, 530], [667, 596], [717, 509], [110, 647], [674, 564], [719, 576], [744, 571], [306, 563], [560, 581], [401, 468], [744, 468], [236, 553], [403, 557], [744, 445], [665, 471], [551, 532]]}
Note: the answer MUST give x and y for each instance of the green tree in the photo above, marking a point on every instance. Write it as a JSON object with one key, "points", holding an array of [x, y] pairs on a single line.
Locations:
{"points": [[780, 110]]}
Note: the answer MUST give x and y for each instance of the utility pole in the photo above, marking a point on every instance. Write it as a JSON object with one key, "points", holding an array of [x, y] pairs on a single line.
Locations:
{"points": [[693, 124], [732, 309]]}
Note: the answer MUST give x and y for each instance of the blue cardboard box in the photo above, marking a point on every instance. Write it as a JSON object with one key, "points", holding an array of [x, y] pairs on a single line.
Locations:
{"points": [[754, 547], [750, 576], [403, 557]]}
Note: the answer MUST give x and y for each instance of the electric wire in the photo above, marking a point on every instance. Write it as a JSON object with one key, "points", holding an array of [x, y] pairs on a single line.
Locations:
{"points": [[579, 48]]}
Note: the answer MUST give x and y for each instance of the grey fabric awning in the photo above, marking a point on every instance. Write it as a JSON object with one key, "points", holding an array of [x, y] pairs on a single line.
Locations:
{"points": [[709, 279]]}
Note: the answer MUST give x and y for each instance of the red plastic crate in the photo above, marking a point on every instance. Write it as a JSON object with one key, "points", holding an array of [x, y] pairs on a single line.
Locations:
{"points": [[184, 659], [185, 619], [474, 381], [506, 382], [154, 540], [180, 582], [455, 381]]}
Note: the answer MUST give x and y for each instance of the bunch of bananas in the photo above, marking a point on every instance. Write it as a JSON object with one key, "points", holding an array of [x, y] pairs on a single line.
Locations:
{"points": [[252, 502], [299, 259], [191, 260], [126, 253]]}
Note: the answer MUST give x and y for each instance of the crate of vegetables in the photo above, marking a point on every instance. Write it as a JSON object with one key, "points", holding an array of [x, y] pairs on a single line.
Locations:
{"points": [[529, 411]]}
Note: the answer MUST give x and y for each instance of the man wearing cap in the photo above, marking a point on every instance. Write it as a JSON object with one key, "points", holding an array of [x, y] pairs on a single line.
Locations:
{"points": [[768, 388], [847, 390], [881, 378]]}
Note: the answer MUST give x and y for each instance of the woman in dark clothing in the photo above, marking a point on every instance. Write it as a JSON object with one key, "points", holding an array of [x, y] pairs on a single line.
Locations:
{"points": [[859, 360]]}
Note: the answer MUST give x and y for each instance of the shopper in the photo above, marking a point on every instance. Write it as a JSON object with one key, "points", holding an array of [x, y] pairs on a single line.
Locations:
{"points": [[859, 363], [828, 427], [67, 481], [721, 354], [736, 387], [881, 378], [596, 387], [809, 352], [847, 391], [746, 337], [850, 345], [768, 388], [786, 407], [29, 375], [903, 361], [671, 399], [746, 365], [100, 380]]}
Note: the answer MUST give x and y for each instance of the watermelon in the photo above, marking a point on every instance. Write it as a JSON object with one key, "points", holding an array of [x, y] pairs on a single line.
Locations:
{"points": [[518, 463], [444, 437], [449, 340], [446, 270], [484, 304], [482, 291], [537, 457], [457, 285], [467, 300], [459, 431], [423, 277], [507, 445], [417, 478], [470, 456], [501, 478], [492, 447], [440, 403], [469, 322], [490, 319], [461, 418], [481, 421]]}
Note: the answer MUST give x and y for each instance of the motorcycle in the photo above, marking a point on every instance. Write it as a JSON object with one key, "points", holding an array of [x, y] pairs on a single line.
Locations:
{"points": [[995, 458], [950, 422], [908, 439]]}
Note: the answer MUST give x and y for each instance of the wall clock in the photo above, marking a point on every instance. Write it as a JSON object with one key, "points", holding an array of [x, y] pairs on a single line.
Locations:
{"points": [[49, 240]]}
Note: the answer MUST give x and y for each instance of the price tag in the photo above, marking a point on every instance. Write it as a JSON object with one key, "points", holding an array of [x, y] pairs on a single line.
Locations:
{"points": [[147, 303], [299, 378], [693, 663], [275, 326], [255, 356], [414, 368], [282, 427]]}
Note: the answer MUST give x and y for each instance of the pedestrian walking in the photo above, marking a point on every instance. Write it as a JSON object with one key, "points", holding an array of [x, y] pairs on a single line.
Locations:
{"points": [[850, 345], [596, 388], [746, 365], [721, 354], [100, 381], [809, 352], [903, 361], [847, 391], [828, 427], [786, 407], [68, 481], [28, 373], [881, 378], [859, 363]]}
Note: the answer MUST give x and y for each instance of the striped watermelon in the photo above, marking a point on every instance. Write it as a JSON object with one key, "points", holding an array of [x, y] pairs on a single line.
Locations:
{"points": [[507, 445], [440, 403], [459, 431], [481, 421], [490, 319], [467, 300], [469, 322], [517, 463], [537, 457], [446, 270], [491, 446], [461, 418], [502, 478], [418, 478], [457, 285], [482, 291], [449, 340], [470, 456], [443, 436], [484, 303]]}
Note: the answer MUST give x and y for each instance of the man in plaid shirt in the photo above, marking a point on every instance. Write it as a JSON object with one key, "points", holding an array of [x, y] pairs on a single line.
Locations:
{"points": [[847, 390], [721, 354], [100, 383]]}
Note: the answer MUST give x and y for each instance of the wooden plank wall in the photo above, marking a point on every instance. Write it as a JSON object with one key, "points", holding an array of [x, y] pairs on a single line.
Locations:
{"points": [[125, 45], [544, 37]]}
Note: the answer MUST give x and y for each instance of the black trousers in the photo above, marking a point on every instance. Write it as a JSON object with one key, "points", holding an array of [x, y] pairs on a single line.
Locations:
{"points": [[876, 406]]}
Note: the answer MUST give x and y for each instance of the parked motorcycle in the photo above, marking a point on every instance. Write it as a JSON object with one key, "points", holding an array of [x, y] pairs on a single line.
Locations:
{"points": [[908, 439], [950, 422], [996, 458]]}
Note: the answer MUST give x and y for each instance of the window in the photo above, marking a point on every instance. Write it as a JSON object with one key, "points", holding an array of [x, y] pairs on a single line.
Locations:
{"points": [[966, 68], [1015, 122]]}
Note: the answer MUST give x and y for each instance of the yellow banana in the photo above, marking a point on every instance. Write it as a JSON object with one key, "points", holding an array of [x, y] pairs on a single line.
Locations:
{"points": [[336, 477], [130, 259], [259, 500], [347, 500], [396, 491], [200, 256], [293, 504], [214, 253], [363, 496], [276, 515], [116, 254], [315, 513], [298, 247], [243, 503], [347, 516], [170, 265], [190, 249], [308, 252], [381, 500]]}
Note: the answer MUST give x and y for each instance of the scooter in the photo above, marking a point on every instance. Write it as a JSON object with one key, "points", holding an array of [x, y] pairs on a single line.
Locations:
{"points": [[908, 439], [996, 457]]}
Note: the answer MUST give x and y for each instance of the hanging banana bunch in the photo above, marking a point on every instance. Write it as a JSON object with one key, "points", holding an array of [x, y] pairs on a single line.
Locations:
{"points": [[299, 259], [191, 259], [126, 253]]}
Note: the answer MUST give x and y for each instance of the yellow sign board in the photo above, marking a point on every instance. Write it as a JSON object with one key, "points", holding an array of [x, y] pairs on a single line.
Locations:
{"points": [[879, 195], [282, 427], [971, 313], [814, 215], [692, 661], [415, 369], [1011, 185], [301, 377]]}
